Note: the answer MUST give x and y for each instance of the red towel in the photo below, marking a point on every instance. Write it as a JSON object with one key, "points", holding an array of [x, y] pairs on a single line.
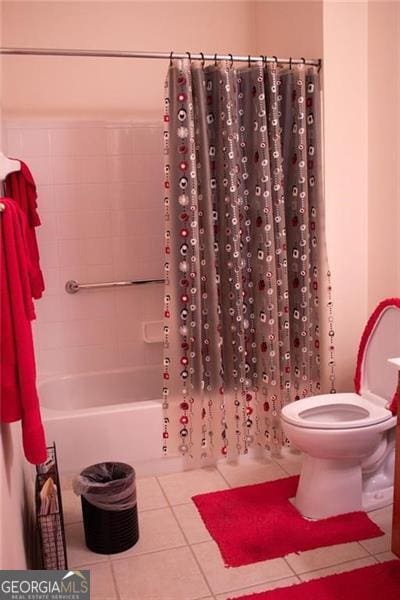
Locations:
{"points": [[19, 399], [20, 186]]}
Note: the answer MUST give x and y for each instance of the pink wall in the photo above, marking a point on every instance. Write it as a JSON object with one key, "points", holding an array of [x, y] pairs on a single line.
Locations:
{"points": [[290, 28], [103, 87], [346, 174], [383, 151]]}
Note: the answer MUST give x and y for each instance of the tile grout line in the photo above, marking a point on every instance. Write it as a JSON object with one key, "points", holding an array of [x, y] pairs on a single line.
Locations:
{"points": [[186, 539], [214, 595], [345, 562], [334, 566], [114, 578], [133, 555], [249, 587]]}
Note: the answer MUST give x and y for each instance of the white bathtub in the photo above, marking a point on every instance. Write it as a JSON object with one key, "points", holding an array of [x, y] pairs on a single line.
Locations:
{"points": [[107, 416]]}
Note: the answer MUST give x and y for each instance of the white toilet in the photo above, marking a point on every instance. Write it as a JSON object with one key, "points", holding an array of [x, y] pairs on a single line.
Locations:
{"points": [[348, 439]]}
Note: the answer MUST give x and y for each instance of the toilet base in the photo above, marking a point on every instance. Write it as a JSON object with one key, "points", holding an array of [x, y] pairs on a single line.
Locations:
{"points": [[329, 487]]}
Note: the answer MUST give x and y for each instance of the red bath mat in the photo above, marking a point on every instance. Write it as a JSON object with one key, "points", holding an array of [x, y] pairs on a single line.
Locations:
{"points": [[368, 583], [257, 522]]}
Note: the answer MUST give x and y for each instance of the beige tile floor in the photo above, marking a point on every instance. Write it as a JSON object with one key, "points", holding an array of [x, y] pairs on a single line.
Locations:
{"points": [[176, 558]]}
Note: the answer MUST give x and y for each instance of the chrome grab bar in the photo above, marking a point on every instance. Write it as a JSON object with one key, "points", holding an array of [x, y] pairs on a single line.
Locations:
{"points": [[72, 286]]}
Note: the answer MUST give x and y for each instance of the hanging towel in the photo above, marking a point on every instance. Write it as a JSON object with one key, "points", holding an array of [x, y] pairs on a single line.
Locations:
{"points": [[19, 398], [20, 186]]}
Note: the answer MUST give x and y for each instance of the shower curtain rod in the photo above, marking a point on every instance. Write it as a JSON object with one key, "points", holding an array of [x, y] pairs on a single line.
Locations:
{"points": [[166, 55]]}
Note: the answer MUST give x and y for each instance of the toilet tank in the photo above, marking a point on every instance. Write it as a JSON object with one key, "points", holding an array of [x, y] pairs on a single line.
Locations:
{"points": [[375, 378]]}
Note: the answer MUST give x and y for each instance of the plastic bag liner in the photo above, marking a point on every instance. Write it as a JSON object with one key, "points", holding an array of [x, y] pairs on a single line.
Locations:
{"points": [[109, 486]]}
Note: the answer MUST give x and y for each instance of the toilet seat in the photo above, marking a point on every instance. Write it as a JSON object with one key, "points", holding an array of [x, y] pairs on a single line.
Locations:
{"points": [[335, 411]]}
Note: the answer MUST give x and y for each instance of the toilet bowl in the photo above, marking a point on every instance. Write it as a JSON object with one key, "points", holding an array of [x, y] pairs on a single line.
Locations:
{"points": [[348, 439]]}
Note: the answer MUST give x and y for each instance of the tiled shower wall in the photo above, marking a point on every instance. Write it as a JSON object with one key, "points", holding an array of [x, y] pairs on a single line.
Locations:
{"points": [[101, 204]]}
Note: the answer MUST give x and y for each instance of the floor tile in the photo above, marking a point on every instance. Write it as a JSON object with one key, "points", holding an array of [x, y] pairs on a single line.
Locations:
{"points": [[263, 587], [77, 552], [191, 522], [290, 461], [149, 494], [66, 480], [384, 556], [72, 509], [342, 568], [378, 544], [158, 530], [222, 579], [180, 487], [166, 575], [102, 585], [250, 471], [325, 557], [383, 517]]}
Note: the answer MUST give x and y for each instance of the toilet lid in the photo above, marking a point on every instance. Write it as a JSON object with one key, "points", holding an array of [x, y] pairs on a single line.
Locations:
{"points": [[375, 378], [334, 411]]}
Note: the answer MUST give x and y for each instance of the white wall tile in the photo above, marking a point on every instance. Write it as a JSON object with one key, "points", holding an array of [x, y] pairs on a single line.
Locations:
{"points": [[50, 335], [89, 304], [48, 252], [93, 169], [51, 276], [148, 140], [47, 232], [121, 169], [78, 141], [93, 196], [100, 199], [98, 251], [49, 309], [35, 142], [119, 140], [13, 142], [71, 252], [45, 198], [67, 170], [40, 167]]}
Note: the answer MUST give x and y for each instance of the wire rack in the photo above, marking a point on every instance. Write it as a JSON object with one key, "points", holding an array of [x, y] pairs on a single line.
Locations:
{"points": [[51, 526]]}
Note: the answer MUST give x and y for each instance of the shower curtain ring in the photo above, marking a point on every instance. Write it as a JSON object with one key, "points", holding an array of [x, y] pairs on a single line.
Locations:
{"points": [[170, 58], [249, 61], [215, 59], [202, 60], [290, 62], [319, 64], [189, 56], [303, 60], [262, 59], [276, 59], [231, 60]]}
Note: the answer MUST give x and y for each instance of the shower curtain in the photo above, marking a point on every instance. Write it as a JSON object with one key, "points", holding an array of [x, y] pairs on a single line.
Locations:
{"points": [[242, 253]]}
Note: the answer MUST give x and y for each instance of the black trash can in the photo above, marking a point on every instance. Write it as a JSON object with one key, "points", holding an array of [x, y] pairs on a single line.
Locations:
{"points": [[109, 507]]}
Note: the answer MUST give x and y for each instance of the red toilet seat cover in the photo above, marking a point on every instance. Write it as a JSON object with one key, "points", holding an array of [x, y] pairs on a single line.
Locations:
{"points": [[377, 376]]}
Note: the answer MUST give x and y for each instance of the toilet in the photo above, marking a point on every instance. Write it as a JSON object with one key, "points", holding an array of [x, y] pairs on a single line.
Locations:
{"points": [[348, 439]]}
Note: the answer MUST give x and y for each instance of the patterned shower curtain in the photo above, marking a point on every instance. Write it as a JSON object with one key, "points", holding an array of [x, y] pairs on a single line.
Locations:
{"points": [[242, 257]]}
